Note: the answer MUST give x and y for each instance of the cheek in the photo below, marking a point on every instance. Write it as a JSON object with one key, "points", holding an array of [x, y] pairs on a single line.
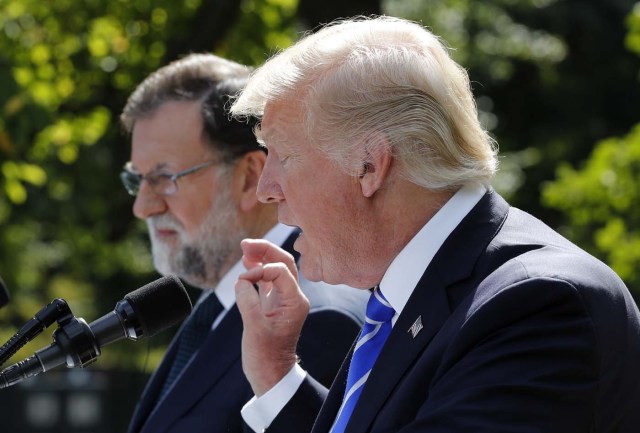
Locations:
{"points": [[331, 239], [190, 214]]}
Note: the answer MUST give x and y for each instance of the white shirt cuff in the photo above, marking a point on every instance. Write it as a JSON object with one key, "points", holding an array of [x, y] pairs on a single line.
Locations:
{"points": [[260, 412]]}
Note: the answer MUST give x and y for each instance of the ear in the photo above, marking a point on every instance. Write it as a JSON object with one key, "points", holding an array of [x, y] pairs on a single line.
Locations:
{"points": [[250, 169], [376, 164]]}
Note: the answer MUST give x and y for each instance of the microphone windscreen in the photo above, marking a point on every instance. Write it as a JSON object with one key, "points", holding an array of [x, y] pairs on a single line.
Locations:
{"points": [[160, 304], [4, 294]]}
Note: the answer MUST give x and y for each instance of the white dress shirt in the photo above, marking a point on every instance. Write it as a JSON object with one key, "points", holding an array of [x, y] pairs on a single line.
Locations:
{"points": [[397, 284], [225, 290]]}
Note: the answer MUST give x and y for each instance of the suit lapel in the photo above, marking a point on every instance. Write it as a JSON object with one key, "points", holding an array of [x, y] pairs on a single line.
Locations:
{"points": [[429, 301], [220, 350], [332, 403], [149, 396], [401, 348]]}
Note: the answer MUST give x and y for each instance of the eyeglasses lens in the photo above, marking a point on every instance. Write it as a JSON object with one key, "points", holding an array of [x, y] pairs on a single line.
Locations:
{"points": [[131, 181]]}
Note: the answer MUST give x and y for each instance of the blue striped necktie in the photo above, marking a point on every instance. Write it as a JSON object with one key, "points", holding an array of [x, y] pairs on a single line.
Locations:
{"points": [[375, 331], [194, 332]]}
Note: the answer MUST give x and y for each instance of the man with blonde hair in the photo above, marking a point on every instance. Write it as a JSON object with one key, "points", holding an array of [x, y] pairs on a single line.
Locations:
{"points": [[481, 317]]}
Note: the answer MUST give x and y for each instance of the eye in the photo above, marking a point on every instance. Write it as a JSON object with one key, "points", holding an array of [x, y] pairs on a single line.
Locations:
{"points": [[277, 156], [159, 178], [286, 157]]}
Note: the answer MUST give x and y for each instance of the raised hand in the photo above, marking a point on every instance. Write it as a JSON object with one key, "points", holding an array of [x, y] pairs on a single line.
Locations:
{"points": [[272, 316]]}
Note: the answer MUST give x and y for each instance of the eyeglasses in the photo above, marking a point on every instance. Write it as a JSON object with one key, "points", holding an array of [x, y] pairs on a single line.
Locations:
{"points": [[162, 183]]}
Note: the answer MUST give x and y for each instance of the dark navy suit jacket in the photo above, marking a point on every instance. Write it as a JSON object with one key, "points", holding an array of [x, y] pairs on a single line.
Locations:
{"points": [[212, 389], [523, 332]]}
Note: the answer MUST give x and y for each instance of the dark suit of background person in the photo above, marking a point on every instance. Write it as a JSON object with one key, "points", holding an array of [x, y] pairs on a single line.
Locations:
{"points": [[166, 117], [507, 326]]}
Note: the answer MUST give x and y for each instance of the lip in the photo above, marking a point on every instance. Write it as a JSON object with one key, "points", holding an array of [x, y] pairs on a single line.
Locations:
{"points": [[164, 233], [297, 243], [285, 216], [288, 224], [283, 220]]}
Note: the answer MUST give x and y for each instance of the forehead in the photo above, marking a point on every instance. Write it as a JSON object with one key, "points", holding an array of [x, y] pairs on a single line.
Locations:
{"points": [[282, 124], [170, 135]]}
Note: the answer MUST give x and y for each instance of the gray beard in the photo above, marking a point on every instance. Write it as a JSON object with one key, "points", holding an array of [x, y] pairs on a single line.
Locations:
{"points": [[202, 265], [202, 261]]}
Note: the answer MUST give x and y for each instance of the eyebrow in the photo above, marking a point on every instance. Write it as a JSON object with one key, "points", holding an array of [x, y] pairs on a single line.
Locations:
{"points": [[159, 167], [156, 168], [273, 137]]}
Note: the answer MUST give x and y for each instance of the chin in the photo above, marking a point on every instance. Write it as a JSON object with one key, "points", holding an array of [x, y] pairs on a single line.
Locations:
{"points": [[309, 272], [317, 275], [163, 260]]}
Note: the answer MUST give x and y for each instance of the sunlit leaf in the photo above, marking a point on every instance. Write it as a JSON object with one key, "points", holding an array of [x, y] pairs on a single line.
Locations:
{"points": [[159, 17], [15, 191], [68, 153], [33, 174], [40, 54]]}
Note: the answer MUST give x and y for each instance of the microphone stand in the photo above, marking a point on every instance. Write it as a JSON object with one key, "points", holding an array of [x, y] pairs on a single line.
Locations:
{"points": [[57, 310], [74, 344]]}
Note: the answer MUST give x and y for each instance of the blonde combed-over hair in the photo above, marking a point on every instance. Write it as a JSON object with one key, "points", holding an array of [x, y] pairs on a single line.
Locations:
{"points": [[380, 81]]}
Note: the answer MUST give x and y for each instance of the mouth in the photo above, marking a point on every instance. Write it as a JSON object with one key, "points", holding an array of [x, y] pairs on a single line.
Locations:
{"points": [[297, 228], [163, 233], [297, 244]]}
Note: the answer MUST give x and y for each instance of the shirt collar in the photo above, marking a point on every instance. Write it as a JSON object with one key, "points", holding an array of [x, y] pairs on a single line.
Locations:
{"points": [[225, 291], [407, 268]]}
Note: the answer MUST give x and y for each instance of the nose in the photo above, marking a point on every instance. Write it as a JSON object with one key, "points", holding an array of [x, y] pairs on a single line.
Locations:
{"points": [[148, 203], [269, 190]]}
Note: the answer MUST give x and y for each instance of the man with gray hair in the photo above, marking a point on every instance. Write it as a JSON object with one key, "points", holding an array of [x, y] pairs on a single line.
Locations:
{"points": [[481, 317], [194, 173]]}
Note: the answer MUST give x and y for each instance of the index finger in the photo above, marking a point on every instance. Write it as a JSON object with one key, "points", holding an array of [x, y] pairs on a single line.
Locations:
{"points": [[260, 252]]}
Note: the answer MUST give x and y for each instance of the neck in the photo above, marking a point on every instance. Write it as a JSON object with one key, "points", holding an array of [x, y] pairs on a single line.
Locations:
{"points": [[398, 214]]}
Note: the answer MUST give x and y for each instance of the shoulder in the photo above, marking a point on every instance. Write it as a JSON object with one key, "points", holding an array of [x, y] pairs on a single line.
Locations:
{"points": [[532, 276], [544, 253], [526, 249], [528, 271]]}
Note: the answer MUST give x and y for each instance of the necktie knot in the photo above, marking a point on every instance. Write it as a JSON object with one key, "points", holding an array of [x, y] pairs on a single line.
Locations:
{"points": [[378, 308], [207, 310]]}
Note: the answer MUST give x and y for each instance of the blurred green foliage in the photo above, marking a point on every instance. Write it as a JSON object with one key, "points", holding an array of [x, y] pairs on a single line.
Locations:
{"points": [[633, 25], [601, 200], [66, 69], [552, 78], [602, 197]]}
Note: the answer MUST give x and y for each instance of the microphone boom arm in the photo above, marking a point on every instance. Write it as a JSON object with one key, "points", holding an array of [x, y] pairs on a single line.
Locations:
{"points": [[73, 344], [56, 310]]}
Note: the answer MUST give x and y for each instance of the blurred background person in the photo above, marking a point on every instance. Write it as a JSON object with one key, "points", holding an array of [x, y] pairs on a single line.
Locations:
{"points": [[194, 173]]}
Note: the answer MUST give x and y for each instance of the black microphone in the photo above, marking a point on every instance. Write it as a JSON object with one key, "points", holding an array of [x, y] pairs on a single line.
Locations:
{"points": [[4, 294], [142, 313]]}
